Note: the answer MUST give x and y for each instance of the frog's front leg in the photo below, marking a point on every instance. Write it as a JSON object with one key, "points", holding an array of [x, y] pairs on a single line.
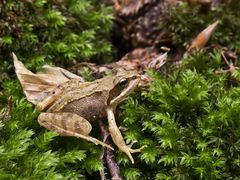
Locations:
{"points": [[69, 124], [117, 136]]}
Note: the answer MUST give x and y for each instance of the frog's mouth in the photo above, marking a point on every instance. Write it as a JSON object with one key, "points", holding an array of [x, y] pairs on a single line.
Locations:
{"points": [[131, 86]]}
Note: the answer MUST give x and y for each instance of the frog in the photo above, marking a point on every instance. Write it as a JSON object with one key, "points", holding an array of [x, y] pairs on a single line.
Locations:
{"points": [[72, 106]]}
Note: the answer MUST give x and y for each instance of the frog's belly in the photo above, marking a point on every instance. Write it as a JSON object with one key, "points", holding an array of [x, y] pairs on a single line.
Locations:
{"points": [[90, 108]]}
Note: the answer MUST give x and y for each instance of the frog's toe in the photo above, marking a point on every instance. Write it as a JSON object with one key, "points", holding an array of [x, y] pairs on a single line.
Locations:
{"points": [[132, 143], [128, 150], [137, 150], [97, 142]]}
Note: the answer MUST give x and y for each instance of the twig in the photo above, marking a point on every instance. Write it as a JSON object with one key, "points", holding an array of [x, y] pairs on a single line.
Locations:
{"points": [[102, 172], [108, 153], [8, 113]]}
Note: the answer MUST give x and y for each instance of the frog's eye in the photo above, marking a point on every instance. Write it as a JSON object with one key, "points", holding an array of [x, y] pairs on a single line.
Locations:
{"points": [[123, 82]]}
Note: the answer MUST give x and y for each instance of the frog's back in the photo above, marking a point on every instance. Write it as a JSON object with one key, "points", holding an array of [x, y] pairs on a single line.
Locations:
{"points": [[88, 100]]}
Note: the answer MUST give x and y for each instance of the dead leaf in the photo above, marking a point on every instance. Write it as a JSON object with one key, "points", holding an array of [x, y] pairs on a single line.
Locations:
{"points": [[141, 59], [37, 86]]}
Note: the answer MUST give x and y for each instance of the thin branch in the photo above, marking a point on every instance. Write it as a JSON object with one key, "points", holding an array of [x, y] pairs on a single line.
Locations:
{"points": [[108, 153], [8, 113]]}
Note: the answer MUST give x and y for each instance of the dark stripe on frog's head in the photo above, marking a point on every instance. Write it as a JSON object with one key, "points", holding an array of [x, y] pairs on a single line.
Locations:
{"points": [[124, 83]]}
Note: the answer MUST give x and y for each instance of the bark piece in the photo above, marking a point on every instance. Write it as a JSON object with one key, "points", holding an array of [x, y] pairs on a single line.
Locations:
{"points": [[138, 23]]}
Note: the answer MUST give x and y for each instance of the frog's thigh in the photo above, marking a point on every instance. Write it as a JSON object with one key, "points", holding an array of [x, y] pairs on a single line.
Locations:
{"points": [[65, 124], [69, 124]]}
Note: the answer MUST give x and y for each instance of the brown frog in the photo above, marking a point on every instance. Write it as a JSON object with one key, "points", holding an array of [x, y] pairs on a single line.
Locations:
{"points": [[72, 105]]}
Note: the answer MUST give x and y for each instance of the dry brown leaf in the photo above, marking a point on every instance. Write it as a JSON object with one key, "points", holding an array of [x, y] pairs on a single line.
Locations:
{"points": [[201, 40], [141, 59], [138, 23], [200, 2], [37, 86], [129, 7]]}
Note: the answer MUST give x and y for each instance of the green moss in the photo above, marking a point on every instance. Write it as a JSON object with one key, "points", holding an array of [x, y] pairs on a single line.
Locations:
{"points": [[58, 32], [189, 120], [39, 32], [184, 22]]}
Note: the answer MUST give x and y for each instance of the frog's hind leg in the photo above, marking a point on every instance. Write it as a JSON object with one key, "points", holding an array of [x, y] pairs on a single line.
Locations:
{"points": [[69, 124]]}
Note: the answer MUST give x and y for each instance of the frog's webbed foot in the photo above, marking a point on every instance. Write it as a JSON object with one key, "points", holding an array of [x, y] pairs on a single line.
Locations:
{"points": [[69, 124], [128, 150]]}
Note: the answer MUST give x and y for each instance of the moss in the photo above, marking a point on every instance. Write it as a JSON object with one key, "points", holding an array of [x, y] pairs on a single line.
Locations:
{"points": [[39, 32], [57, 32], [190, 122]]}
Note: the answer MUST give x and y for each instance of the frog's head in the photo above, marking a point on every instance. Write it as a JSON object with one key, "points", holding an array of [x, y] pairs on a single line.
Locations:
{"points": [[124, 82]]}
